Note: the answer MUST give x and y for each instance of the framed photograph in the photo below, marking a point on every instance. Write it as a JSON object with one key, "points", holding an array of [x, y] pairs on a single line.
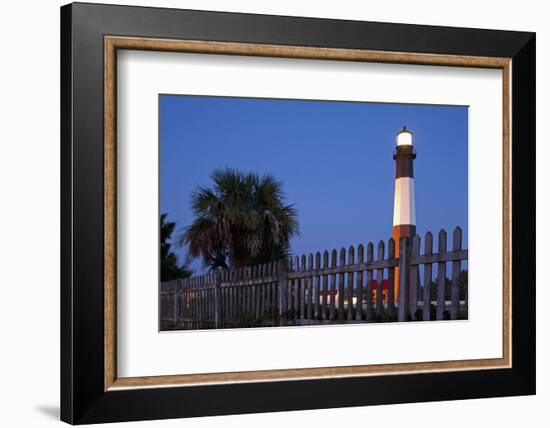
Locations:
{"points": [[265, 213]]}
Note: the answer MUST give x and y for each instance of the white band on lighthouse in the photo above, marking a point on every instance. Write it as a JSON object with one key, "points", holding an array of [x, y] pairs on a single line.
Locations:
{"points": [[403, 209]]}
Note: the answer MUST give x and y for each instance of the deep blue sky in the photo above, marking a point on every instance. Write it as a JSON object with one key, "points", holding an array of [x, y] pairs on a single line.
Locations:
{"points": [[334, 158]]}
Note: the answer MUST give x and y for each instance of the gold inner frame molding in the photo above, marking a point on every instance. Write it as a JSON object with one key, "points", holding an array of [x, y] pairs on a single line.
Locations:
{"points": [[113, 43]]}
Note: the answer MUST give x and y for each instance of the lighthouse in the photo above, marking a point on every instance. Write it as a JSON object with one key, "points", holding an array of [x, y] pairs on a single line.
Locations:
{"points": [[404, 213]]}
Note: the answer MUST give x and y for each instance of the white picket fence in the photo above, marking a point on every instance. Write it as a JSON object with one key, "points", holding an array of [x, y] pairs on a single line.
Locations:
{"points": [[352, 285]]}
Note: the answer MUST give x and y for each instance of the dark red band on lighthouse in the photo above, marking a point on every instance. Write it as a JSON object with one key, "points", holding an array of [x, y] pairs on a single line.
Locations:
{"points": [[404, 231]]}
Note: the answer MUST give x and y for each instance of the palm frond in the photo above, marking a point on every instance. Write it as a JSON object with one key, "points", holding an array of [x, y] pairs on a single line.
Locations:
{"points": [[242, 218]]}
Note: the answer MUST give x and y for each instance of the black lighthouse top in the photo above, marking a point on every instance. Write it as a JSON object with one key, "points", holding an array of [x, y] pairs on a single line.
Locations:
{"points": [[404, 154]]}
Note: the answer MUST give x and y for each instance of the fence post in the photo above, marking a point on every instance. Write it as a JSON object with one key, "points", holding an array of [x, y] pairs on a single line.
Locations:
{"points": [[176, 303], [404, 247], [414, 280], [441, 275], [391, 280], [333, 257], [370, 252], [317, 288], [282, 273], [217, 300], [428, 245], [455, 287], [303, 288], [341, 291], [351, 261], [360, 259], [380, 280], [325, 287], [310, 286]]}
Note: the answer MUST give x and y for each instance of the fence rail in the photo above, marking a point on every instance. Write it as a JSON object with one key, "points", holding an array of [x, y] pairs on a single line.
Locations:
{"points": [[350, 285]]}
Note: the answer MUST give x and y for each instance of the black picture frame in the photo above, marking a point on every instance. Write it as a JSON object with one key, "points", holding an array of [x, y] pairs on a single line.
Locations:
{"points": [[83, 398]]}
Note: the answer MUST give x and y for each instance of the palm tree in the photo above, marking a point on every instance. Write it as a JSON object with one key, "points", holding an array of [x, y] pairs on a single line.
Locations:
{"points": [[241, 220]]}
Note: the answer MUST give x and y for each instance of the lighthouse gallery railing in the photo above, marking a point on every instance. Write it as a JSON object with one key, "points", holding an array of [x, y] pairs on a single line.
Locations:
{"points": [[343, 286]]}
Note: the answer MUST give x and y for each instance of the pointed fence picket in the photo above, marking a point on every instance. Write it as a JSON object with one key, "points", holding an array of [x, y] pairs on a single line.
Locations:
{"points": [[326, 288]]}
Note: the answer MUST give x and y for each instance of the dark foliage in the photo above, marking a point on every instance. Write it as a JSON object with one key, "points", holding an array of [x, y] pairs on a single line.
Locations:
{"points": [[463, 284], [169, 268]]}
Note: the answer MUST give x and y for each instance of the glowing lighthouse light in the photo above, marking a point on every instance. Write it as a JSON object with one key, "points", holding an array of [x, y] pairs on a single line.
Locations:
{"points": [[404, 138]]}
